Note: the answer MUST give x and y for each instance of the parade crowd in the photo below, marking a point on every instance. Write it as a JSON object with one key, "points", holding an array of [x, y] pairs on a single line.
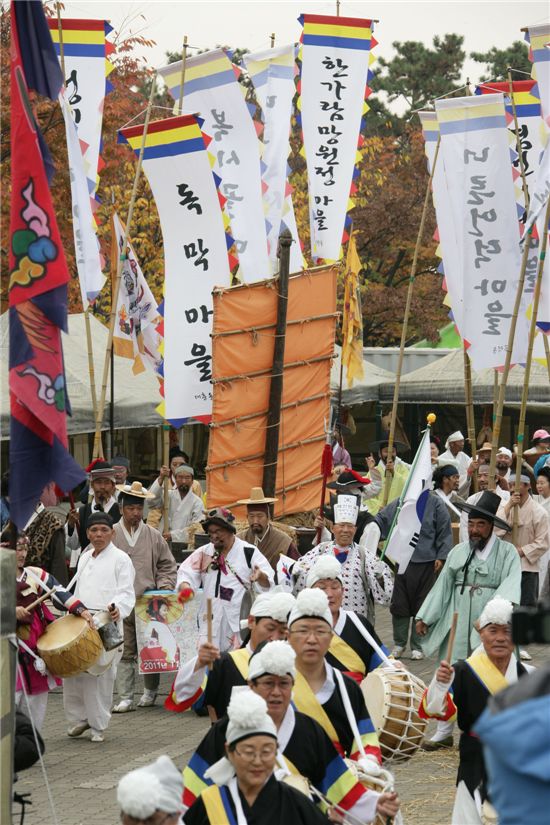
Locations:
{"points": [[287, 652]]}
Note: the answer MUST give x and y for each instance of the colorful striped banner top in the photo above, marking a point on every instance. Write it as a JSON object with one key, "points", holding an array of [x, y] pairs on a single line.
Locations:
{"points": [[538, 38], [81, 38], [172, 136], [471, 114], [205, 71], [525, 95], [340, 32]]}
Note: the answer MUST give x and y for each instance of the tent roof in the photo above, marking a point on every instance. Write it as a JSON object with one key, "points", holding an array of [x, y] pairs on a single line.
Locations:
{"points": [[367, 389], [442, 381], [136, 396]]}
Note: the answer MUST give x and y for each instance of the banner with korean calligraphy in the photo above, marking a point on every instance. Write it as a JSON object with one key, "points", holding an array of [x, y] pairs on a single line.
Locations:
{"points": [[179, 172], [212, 90], [85, 55], [476, 157], [86, 244], [335, 56], [446, 249], [137, 315], [166, 631], [538, 38], [272, 74]]}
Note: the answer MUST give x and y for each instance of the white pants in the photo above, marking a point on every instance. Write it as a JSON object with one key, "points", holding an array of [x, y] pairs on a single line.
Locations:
{"points": [[465, 810], [34, 705], [88, 698]]}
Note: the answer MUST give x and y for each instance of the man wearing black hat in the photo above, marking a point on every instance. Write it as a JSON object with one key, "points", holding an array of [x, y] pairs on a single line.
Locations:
{"points": [[102, 483], [105, 581], [226, 569], [476, 571]]}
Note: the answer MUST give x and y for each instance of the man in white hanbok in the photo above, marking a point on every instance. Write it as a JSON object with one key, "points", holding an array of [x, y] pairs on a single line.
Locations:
{"points": [[105, 582], [226, 569]]}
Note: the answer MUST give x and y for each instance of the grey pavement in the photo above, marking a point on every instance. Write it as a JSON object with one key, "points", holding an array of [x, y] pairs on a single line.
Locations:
{"points": [[82, 777]]}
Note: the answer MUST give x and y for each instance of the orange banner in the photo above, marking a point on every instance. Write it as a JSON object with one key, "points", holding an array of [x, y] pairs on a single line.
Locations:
{"points": [[242, 349]]}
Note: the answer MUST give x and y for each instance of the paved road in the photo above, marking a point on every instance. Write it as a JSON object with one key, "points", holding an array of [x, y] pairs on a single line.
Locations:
{"points": [[82, 777]]}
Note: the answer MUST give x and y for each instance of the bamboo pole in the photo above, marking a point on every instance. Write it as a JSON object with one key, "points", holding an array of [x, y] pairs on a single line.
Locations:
{"points": [[167, 481], [528, 362], [277, 371], [182, 78], [452, 634], [87, 325], [404, 328], [121, 259], [502, 388], [470, 416], [272, 40], [497, 415], [547, 351]]}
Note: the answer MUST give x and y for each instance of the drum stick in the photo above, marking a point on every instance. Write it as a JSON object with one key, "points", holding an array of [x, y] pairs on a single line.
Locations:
{"points": [[452, 635], [41, 598], [73, 507], [209, 621]]}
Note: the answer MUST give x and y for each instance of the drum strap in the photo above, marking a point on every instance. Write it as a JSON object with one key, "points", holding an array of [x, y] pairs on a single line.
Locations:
{"points": [[218, 809], [369, 639], [346, 655], [241, 658], [489, 675], [306, 702], [349, 712]]}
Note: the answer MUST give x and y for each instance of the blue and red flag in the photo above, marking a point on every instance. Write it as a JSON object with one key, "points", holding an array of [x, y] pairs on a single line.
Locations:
{"points": [[38, 280]]}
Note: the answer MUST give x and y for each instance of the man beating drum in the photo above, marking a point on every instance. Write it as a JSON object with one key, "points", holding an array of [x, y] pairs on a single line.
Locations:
{"points": [[104, 581]]}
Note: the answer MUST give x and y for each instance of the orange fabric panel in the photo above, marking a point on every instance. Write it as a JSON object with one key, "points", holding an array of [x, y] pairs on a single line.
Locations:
{"points": [[311, 293]]}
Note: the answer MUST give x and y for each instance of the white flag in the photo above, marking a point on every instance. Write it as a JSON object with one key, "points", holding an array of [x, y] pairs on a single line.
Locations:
{"points": [[410, 510]]}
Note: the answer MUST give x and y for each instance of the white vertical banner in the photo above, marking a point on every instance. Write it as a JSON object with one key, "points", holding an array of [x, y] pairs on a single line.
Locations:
{"points": [[212, 90], [538, 38], [272, 74], [179, 172], [335, 58], [86, 244], [85, 53], [447, 239], [476, 157], [540, 192], [137, 315]]}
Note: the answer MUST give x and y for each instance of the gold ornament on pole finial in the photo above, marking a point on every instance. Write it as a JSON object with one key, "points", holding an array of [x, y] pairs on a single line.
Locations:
{"points": [[430, 418]]}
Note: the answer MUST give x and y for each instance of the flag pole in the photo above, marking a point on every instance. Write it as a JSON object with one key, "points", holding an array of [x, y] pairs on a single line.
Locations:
{"points": [[497, 414], [430, 418], [470, 415], [527, 373], [122, 257], [182, 78], [87, 324], [404, 328]]}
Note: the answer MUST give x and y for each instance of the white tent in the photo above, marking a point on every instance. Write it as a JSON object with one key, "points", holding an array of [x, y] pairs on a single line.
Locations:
{"points": [[366, 389], [136, 396]]}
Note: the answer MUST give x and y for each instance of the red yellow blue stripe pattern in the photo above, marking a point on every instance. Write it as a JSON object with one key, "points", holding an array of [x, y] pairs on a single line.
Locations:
{"points": [[81, 38], [525, 96], [165, 138], [369, 740], [340, 32]]}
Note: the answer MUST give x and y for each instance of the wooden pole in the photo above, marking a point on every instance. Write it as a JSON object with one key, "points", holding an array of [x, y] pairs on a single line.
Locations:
{"points": [[276, 386], [527, 373], [183, 68], [209, 621], [470, 415], [452, 634], [272, 40], [88, 328], [121, 259], [167, 482], [497, 416], [547, 351], [404, 328]]}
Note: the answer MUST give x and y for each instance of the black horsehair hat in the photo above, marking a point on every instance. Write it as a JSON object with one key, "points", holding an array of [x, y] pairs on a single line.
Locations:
{"points": [[485, 507]]}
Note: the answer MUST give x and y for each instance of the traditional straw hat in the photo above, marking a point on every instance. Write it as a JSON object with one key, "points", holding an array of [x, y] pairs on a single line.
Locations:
{"points": [[485, 448], [135, 489], [257, 497]]}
